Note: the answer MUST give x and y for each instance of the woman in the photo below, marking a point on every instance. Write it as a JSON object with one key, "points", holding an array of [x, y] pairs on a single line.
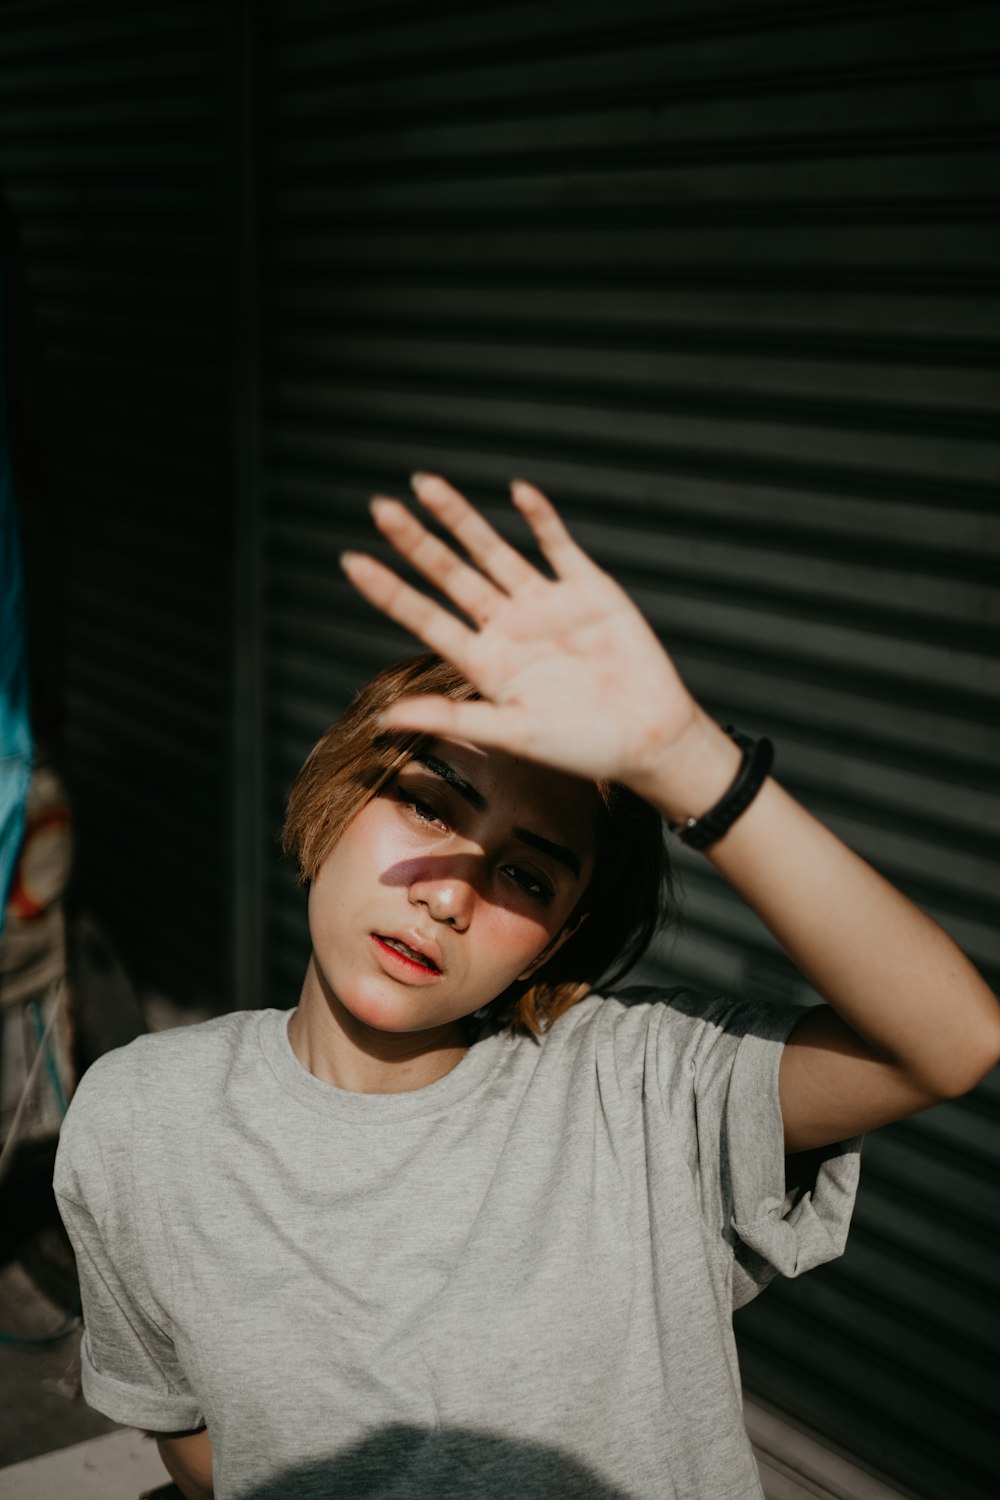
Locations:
{"points": [[453, 1228]]}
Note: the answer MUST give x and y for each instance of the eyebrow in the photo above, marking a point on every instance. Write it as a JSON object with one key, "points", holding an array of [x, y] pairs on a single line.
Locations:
{"points": [[450, 775], [475, 799]]}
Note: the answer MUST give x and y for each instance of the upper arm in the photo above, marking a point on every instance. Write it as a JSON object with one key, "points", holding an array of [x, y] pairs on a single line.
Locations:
{"points": [[718, 1069], [130, 1368], [833, 1086], [187, 1457]]}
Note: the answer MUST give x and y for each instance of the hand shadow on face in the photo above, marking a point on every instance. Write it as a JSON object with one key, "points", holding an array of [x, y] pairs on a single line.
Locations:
{"points": [[403, 1462]]}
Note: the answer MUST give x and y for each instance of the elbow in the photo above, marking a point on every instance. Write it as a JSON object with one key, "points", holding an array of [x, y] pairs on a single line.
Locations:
{"points": [[958, 1070], [988, 1055]]}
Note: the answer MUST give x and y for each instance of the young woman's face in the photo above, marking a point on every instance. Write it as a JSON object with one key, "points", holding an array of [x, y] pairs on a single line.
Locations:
{"points": [[451, 884]]}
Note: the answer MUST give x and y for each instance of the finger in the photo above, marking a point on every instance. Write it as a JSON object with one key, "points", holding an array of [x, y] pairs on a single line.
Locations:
{"points": [[567, 557], [464, 586], [487, 548], [438, 629], [481, 723]]}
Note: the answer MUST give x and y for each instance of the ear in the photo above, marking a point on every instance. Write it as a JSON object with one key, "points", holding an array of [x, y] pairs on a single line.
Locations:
{"points": [[562, 936]]}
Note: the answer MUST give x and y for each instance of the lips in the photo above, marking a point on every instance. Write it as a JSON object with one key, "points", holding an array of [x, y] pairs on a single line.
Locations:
{"points": [[412, 949]]}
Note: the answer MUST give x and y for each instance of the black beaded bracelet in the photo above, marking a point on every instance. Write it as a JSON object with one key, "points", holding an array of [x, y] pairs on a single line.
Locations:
{"points": [[758, 756]]}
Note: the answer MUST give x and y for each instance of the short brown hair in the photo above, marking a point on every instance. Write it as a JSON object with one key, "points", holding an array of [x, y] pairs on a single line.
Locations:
{"points": [[630, 892]]}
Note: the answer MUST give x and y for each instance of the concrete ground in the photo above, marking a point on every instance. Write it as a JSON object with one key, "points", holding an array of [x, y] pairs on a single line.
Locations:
{"points": [[119, 1466], [41, 1406], [51, 1443]]}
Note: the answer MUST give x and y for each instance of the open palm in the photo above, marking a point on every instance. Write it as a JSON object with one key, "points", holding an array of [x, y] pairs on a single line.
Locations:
{"points": [[570, 673]]}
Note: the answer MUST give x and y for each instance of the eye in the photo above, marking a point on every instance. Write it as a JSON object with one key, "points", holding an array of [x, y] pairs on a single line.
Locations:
{"points": [[420, 811], [529, 884]]}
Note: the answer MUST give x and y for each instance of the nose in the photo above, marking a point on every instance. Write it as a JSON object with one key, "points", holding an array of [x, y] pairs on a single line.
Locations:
{"points": [[448, 895]]}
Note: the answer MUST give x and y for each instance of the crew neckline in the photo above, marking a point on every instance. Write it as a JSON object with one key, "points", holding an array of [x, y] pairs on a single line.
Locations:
{"points": [[469, 1073]]}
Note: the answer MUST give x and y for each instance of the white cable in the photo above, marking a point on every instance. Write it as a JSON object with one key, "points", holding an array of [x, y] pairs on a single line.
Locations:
{"points": [[7, 1153]]}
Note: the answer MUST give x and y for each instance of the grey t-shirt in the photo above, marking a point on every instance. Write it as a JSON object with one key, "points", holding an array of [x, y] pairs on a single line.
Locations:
{"points": [[517, 1281]]}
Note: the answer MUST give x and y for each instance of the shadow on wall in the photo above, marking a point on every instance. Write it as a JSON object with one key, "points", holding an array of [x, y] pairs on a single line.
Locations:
{"points": [[414, 1463]]}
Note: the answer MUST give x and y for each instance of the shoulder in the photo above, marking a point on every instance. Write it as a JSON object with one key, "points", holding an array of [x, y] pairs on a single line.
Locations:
{"points": [[146, 1090], [691, 1016], [184, 1058], [643, 1051], [639, 1009], [615, 1033], [673, 1030]]}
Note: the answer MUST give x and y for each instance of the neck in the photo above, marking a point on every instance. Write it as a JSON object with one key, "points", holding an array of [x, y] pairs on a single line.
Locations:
{"points": [[337, 1048]]}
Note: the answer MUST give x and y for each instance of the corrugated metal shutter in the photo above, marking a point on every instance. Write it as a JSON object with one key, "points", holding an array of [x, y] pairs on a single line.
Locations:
{"points": [[723, 280], [111, 162]]}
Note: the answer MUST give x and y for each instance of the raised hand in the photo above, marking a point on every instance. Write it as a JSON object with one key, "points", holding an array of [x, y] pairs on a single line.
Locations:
{"points": [[571, 674]]}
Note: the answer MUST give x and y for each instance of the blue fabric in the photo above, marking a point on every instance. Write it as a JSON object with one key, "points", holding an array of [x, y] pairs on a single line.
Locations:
{"points": [[15, 725]]}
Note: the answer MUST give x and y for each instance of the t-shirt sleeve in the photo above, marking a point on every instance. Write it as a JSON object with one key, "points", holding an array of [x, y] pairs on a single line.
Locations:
{"points": [[129, 1366], [717, 1064]]}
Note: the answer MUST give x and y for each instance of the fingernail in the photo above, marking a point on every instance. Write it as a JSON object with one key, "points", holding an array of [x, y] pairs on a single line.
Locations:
{"points": [[378, 501], [418, 477], [346, 558]]}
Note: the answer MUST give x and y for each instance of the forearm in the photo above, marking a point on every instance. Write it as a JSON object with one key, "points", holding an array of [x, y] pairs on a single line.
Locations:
{"points": [[889, 971], [187, 1458]]}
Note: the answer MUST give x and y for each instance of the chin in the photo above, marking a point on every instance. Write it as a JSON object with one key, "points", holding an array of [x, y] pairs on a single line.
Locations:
{"points": [[382, 1009]]}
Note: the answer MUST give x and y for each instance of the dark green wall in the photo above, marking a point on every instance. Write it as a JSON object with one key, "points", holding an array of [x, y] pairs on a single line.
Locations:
{"points": [[723, 278]]}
